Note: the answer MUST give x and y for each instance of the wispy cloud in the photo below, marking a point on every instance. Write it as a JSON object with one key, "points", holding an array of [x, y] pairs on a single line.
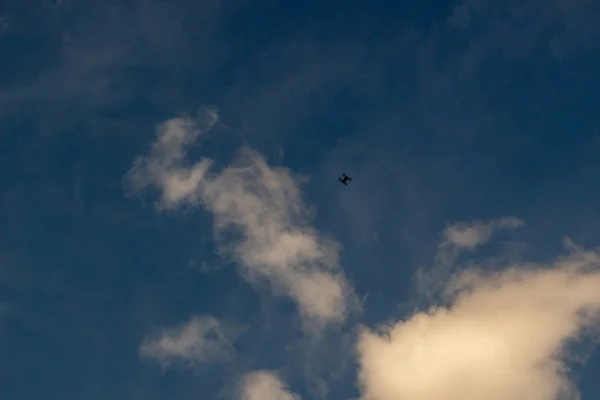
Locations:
{"points": [[202, 340], [277, 242], [164, 167], [265, 385], [470, 235], [272, 238], [458, 238], [503, 336], [96, 48]]}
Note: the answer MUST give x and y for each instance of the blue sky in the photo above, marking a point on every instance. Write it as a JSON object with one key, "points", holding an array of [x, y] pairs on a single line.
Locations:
{"points": [[172, 226]]}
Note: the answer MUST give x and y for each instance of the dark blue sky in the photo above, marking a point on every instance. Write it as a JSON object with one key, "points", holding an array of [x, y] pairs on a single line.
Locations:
{"points": [[441, 112]]}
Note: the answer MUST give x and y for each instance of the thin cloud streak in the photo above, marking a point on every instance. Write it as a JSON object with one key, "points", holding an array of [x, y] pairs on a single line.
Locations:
{"points": [[458, 238], [469, 236], [202, 340]]}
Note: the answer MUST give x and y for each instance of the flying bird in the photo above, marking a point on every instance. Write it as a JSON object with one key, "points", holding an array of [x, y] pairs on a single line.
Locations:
{"points": [[345, 179]]}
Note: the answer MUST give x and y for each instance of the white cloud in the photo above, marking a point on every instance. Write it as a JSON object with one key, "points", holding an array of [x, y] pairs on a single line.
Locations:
{"points": [[202, 340], [503, 337], [277, 242], [470, 235], [164, 167], [259, 219], [265, 385]]}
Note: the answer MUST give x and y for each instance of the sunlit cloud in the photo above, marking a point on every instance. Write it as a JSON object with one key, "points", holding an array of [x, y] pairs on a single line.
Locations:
{"points": [[503, 336], [277, 242], [259, 219], [164, 167], [265, 385], [202, 340]]}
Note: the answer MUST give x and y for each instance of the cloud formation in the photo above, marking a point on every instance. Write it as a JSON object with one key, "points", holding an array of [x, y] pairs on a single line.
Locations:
{"points": [[470, 235], [164, 167], [503, 336], [458, 238], [265, 385], [277, 243], [202, 340], [259, 218]]}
